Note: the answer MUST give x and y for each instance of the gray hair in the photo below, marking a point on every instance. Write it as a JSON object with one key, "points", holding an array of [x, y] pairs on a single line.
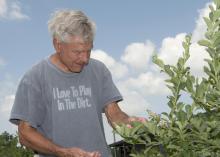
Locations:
{"points": [[66, 23]]}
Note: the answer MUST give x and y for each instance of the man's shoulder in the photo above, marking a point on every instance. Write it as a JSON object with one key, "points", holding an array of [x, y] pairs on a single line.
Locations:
{"points": [[96, 68], [96, 63], [36, 69], [38, 65]]}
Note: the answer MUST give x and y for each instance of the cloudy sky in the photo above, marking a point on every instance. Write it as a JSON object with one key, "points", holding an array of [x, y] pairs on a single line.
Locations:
{"points": [[128, 33]]}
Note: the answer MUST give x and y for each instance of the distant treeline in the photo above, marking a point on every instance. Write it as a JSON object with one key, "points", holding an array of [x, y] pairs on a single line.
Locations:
{"points": [[10, 147]]}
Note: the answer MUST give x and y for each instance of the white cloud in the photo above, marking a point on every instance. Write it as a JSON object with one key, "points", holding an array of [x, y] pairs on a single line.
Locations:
{"points": [[11, 9], [145, 84], [6, 106], [137, 55], [171, 49], [198, 53], [117, 69], [3, 8], [196, 60], [201, 27], [134, 103]]}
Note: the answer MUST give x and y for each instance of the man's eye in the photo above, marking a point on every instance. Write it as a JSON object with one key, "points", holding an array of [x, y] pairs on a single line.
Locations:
{"points": [[76, 52]]}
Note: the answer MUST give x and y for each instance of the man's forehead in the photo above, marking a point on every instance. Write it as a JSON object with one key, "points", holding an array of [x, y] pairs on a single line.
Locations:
{"points": [[78, 40]]}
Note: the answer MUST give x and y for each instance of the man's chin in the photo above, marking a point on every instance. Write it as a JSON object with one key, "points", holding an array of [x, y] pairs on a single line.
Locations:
{"points": [[76, 70]]}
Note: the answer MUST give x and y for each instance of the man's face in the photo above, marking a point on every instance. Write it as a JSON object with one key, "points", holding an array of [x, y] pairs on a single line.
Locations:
{"points": [[75, 54]]}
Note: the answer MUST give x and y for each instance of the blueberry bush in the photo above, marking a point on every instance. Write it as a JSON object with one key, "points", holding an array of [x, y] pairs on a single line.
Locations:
{"points": [[188, 129]]}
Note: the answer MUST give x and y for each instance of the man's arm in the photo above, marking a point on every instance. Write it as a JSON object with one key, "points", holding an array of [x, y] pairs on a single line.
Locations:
{"points": [[31, 138], [115, 115]]}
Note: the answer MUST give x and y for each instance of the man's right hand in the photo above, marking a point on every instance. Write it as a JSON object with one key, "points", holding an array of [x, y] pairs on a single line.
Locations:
{"points": [[76, 152]]}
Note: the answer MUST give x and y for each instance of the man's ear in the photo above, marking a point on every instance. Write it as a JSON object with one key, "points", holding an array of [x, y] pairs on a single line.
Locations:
{"points": [[56, 45]]}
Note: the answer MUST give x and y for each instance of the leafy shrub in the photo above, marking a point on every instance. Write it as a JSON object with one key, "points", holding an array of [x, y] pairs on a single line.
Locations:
{"points": [[188, 129]]}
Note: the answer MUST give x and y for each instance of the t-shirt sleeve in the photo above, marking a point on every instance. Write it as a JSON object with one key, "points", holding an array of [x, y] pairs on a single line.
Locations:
{"points": [[27, 105], [110, 92]]}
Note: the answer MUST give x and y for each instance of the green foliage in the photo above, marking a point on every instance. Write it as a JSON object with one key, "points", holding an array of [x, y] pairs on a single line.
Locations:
{"points": [[9, 147], [188, 129]]}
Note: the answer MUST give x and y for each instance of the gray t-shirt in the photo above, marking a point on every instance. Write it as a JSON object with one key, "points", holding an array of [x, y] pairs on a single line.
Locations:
{"points": [[66, 107]]}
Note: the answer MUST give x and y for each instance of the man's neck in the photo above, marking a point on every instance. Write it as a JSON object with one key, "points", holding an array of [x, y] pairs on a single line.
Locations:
{"points": [[54, 58]]}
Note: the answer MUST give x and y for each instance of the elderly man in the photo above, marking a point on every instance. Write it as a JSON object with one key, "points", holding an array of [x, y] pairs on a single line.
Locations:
{"points": [[59, 101]]}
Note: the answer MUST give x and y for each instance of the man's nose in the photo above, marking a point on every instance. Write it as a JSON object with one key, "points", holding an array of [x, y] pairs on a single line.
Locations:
{"points": [[84, 57]]}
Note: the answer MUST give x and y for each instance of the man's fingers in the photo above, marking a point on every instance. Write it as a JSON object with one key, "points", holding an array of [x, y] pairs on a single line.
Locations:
{"points": [[94, 154], [77, 152], [137, 119]]}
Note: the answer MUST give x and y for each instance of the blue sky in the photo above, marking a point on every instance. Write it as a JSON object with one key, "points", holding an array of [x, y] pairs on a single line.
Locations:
{"points": [[128, 32]]}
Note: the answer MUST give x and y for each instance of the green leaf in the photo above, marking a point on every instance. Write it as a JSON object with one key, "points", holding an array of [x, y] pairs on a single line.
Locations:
{"points": [[189, 85], [216, 41], [207, 71], [216, 15], [180, 106], [147, 149], [211, 52], [204, 43], [208, 22], [174, 147], [209, 35], [165, 114], [211, 16], [217, 3], [185, 45], [168, 70], [180, 63], [200, 89], [182, 116], [188, 109], [171, 88], [182, 85], [147, 138], [158, 61], [188, 38], [134, 130], [151, 127], [211, 8]]}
